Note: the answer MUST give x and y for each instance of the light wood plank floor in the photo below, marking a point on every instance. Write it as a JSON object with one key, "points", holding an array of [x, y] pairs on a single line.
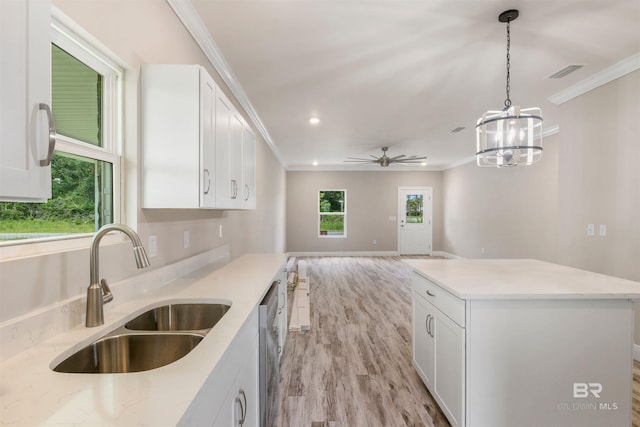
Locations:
{"points": [[353, 368]]}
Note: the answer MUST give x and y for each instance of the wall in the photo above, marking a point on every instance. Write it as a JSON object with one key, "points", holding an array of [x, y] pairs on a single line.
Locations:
{"points": [[371, 200], [599, 181], [503, 213], [144, 31]]}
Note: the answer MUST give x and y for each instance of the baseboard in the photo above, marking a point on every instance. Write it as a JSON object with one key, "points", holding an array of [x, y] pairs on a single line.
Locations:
{"points": [[345, 253], [636, 352], [446, 255]]}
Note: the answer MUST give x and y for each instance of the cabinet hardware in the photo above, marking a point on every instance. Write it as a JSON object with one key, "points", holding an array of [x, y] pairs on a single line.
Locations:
{"points": [[433, 335], [52, 135], [243, 406], [427, 324], [207, 177], [431, 294], [246, 192]]}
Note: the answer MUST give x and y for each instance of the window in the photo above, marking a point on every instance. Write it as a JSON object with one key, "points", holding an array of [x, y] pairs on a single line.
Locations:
{"points": [[414, 209], [332, 213], [85, 100]]}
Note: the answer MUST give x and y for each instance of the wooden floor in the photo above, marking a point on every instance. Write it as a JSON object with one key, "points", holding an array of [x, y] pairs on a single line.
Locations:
{"points": [[353, 368]]}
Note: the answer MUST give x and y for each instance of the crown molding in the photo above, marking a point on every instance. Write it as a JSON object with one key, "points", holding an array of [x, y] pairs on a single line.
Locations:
{"points": [[192, 21], [600, 78]]}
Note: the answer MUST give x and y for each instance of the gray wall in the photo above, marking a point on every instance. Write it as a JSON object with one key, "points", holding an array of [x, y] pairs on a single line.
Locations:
{"points": [[509, 212], [371, 200]]}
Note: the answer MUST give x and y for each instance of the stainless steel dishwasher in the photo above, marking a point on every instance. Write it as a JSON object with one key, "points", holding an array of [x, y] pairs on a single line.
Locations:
{"points": [[269, 357]]}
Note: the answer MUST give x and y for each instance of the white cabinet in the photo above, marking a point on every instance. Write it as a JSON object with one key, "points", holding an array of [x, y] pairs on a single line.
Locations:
{"points": [[198, 151], [178, 162], [423, 343], [249, 169], [241, 405], [230, 394], [235, 158], [27, 132], [439, 346]]}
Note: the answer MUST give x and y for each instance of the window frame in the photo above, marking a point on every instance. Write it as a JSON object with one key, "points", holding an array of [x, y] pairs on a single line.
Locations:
{"points": [[65, 38], [343, 213], [70, 37]]}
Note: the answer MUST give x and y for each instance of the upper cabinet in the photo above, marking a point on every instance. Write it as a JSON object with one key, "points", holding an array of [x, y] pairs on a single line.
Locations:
{"points": [[248, 168], [27, 131], [193, 153]]}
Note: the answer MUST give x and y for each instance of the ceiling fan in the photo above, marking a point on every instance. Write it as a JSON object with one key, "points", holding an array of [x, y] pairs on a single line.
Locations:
{"points": [[385, 160]]}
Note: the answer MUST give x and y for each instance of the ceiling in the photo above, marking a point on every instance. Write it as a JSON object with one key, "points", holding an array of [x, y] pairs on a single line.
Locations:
{"points": [[404, 74]]}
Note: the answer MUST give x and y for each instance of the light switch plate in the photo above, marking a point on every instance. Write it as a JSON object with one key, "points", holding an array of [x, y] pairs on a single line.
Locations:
{"points": [[185, 239], [591, 230], [153, 246], [603, 230]]}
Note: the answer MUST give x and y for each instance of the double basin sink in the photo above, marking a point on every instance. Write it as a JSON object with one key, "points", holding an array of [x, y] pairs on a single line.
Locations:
{"points": [[153, 339]]}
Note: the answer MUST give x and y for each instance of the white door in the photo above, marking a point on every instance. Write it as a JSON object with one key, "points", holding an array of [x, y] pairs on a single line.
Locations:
{"points": [[414, 220]]}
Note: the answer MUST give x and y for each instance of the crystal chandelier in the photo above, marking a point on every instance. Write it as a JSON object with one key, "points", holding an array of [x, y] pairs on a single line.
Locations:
{"points": [[512, 136]]}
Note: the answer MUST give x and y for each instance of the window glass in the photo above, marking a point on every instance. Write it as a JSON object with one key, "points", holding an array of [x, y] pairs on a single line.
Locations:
{"points": [[414, 209], [332, 212], [76, 98]]}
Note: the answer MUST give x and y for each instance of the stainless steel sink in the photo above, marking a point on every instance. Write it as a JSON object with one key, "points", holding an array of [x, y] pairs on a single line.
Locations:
{"points": [[129, 353], [179, 317], [153, 339]]}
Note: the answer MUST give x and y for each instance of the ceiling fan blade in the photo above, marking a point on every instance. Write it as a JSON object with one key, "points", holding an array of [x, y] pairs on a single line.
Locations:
{"points": [[377, 158], [396, 158], [360, 161]]}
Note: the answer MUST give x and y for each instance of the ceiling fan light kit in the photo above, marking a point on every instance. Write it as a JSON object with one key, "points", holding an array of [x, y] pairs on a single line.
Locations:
{"points": [[384, 160], [512, 136]]}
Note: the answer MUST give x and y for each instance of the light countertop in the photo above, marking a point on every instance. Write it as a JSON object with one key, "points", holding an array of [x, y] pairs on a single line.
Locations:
{"points": [[32, 394], [521, 279]]}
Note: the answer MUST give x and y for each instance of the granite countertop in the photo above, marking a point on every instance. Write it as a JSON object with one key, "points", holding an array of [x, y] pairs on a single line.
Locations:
{"points": [[521, 279], [32, 394]]}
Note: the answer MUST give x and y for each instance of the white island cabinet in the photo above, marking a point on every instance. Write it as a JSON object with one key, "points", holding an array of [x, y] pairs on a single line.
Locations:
{"points": [[523, 342]]}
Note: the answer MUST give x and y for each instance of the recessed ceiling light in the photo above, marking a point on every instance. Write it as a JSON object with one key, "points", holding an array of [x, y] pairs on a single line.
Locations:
{"points": [[423, 164], [315, 163], [314, 120]]}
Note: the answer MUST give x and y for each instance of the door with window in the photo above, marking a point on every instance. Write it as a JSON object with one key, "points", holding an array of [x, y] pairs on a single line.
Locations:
{"points": [[414, 220]]}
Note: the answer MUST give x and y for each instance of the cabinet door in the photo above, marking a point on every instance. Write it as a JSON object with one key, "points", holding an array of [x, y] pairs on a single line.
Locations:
{"points": [[248, 387], [423, 342], [25, 84], [171, 136], [449, 366], [248, 168], [207, 140], [223, 184], [235, 160]]}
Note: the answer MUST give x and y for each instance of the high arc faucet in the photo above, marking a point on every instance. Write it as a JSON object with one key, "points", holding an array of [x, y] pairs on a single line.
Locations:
{"points": [[98, 292]]}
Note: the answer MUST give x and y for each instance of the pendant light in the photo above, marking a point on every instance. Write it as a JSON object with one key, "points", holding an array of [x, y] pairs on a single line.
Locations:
{"points": [[512, 136]]}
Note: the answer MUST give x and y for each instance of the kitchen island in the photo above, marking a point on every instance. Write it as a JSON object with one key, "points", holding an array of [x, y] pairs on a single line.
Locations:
{"points": [[181, 393], [523, 342]]}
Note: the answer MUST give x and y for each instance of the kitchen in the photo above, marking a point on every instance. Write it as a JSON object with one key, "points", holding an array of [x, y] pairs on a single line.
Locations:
{"points": [[565, 194]]}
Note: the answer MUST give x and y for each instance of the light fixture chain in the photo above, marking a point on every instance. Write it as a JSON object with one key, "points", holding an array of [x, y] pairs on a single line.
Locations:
{"points": [[507, 102]]}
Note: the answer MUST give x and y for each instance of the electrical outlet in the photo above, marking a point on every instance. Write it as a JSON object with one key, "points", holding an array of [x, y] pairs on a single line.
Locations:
{"points": [[185, 239], [153, 246], [591, 230], [482, 251], [220, 231], [375, 242], [603, 230]]}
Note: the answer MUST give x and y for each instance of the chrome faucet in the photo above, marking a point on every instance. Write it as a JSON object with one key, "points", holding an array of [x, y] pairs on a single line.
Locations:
{"points": [[98, 292]]}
